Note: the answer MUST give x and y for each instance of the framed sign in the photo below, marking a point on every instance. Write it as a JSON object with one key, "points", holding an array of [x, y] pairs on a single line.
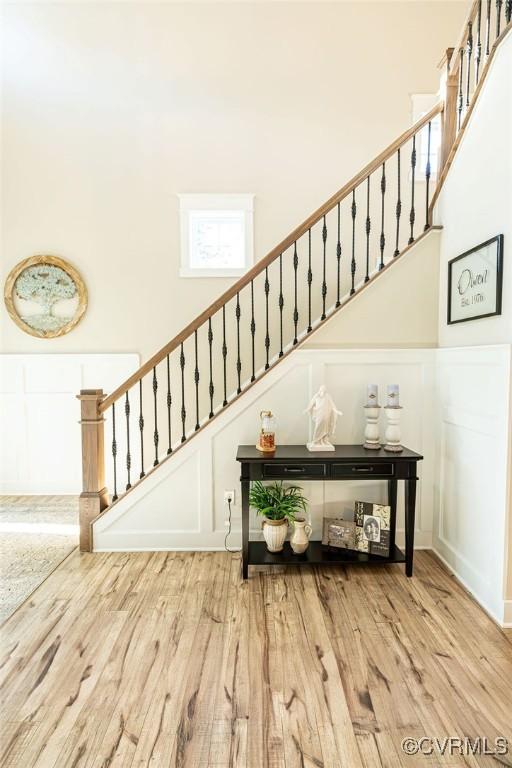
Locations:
{"points": [[475, 281]]}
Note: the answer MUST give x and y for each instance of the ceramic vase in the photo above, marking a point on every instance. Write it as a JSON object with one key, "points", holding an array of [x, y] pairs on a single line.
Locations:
{"points": [[274, 533], [299, 541]]}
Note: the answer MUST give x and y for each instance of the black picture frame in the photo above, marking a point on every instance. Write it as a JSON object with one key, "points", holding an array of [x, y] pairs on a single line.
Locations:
{"points": [[498, 239]]}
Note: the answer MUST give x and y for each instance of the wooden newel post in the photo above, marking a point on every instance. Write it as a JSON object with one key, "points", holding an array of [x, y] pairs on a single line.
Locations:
{"points": [[94, 496], [450, 110]]}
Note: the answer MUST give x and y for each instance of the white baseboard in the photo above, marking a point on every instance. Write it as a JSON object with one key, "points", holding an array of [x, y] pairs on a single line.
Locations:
{"points": [[507, 614], [504, 622]]}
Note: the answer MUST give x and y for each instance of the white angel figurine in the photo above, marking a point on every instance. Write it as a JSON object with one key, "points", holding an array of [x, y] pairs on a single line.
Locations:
{"points": [[325, 415]]}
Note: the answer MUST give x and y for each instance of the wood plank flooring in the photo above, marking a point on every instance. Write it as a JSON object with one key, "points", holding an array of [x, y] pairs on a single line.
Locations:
{"points": [[135, 660]]}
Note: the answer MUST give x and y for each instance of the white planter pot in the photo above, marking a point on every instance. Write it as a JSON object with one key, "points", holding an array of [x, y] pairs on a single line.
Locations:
{"points": [[274, 533]]}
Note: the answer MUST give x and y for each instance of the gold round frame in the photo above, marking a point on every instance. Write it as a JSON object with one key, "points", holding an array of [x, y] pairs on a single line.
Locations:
{"points": [[54, 261]]}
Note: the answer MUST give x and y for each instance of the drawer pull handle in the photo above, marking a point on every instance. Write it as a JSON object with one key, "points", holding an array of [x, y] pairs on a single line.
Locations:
{"points": [[362, 469], [295, 470]]}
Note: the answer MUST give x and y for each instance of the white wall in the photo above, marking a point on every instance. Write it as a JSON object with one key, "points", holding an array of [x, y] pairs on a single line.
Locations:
{"points": [[111, 109], [40, 447], [400, 309], [182, 504], [474, 205], [475, 202]]}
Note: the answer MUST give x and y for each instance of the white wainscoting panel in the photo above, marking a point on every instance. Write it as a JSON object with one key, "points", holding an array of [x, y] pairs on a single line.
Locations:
{"points": [[39, 413], [181, 506], [470, 507]]}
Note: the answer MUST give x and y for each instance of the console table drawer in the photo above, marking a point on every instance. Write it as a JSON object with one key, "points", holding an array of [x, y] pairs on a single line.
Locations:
{"points": [[295, 470], [356, 469]]}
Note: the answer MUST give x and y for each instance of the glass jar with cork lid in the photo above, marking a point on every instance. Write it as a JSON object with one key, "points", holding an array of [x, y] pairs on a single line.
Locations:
{"points": [[267, 436]]}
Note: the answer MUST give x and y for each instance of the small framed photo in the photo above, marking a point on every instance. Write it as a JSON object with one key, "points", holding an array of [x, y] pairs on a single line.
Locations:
{"points": [[338, 533], [475, 281], [371, 528]]}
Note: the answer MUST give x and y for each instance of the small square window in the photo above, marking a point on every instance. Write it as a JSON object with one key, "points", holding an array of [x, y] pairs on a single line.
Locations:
{"points": [[216, 235]]}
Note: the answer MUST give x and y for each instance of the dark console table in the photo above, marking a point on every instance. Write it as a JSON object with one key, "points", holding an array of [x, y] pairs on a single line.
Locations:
{"points": [[346, 462]]}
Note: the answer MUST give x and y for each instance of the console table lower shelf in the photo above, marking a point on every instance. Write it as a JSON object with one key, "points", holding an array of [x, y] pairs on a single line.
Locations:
{"points": [[345, 462], [317, 554]]}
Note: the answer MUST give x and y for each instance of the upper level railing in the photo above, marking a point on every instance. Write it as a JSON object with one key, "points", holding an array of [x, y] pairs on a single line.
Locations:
{"points": [[277, 304], [486, 25]]}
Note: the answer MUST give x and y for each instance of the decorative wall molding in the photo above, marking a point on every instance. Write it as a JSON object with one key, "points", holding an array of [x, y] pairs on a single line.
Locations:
{"points": [[146, 518], [40, 446], [470, 506]]}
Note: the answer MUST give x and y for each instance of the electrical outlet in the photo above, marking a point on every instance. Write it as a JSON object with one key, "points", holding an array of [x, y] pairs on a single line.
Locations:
{"points": [[229, 495]]}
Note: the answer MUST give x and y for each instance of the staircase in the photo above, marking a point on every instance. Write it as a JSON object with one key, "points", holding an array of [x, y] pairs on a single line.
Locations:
{"points": [[344, 246]]}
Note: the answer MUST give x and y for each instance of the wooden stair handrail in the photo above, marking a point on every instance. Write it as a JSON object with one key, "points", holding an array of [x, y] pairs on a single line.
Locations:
{"points": [[269, 258], [346, 301]]}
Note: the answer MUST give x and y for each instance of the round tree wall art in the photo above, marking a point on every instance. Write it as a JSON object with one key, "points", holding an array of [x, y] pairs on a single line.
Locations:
{"points": [[45, 296]]}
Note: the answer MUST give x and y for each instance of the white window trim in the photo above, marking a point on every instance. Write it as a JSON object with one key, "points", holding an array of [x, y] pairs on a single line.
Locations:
{"points": [[216, 202]]}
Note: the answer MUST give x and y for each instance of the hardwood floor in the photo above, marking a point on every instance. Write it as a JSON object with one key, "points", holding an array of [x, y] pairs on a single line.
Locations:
{"points": [[167, 659]]}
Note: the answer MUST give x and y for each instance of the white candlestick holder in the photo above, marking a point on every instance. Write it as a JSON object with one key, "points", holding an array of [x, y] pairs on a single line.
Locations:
{"points": [[393, 435], [371, 432]]}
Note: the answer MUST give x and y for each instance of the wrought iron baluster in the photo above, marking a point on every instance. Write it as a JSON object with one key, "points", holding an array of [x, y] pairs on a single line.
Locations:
{"points": [[324, 279], [508, 10], [499, 4], [310, 280], [469, 45], [368, 230], [156, 438], [224, 355], [412, 215], [353, 211], [398, 210], [196, 379], [211, 388], [281, 305], [295, 310], [461, 97], [128, 453], [253, 332], [114, 450], [427, 179], [183, 410], [169, 404], [267, 335], [141, 431], [488, 28], [338, 259], [238, 360], [478, 48], [382, 241]]}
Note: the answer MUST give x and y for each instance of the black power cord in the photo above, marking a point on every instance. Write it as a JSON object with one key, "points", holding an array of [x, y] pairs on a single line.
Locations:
{"points": [[228, 534]]}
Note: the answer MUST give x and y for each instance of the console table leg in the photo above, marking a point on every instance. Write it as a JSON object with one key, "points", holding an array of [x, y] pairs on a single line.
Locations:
{"points": [[392, 494], [410, 511], [245, 527]]}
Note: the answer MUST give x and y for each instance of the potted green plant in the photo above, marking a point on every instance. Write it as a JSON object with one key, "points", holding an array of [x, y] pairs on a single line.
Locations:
{"points": [[278, 505]]}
